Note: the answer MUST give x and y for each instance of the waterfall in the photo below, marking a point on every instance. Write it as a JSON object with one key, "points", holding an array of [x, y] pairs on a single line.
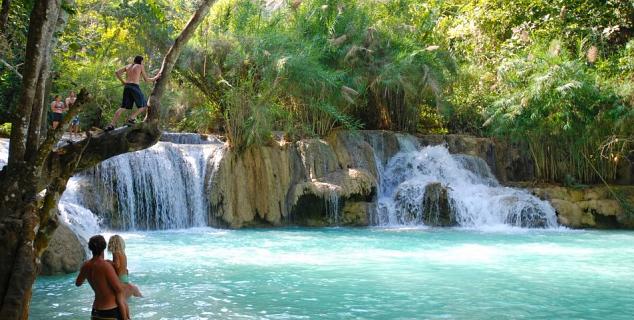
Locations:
{"points": [[4, 152], [189, 138], [473, 198], [168, 185], [332, 206], [163, 187], [71, 210]]}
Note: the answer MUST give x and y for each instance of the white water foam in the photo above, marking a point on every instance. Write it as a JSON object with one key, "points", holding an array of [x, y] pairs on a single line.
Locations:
{"points": [[475, 197]]}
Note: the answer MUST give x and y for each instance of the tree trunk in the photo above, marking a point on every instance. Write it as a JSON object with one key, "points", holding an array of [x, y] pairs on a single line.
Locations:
{"points": [[39, 104], [28, 219], [43, 15], [172, 55], [4, 15]]}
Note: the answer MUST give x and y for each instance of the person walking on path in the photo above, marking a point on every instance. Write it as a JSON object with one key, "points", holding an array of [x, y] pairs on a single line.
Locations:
{"points": [[102, 277], [132, 94]]}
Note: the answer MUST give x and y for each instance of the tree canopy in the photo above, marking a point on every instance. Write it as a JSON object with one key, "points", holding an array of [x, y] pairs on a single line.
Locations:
{"points": [[554, 75]]}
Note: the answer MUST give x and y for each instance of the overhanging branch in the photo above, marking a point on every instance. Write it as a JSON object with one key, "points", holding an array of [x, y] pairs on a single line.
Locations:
{"points": [[12, 68]]}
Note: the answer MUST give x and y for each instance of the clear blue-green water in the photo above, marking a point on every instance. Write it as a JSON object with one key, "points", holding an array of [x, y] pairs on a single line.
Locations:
{"points": [[366, 274]]}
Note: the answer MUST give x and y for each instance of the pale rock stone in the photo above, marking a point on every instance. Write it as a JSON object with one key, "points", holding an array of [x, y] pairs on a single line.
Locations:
{"points": [[596, 193], [65, 253], [604, 207], [570, 214]]}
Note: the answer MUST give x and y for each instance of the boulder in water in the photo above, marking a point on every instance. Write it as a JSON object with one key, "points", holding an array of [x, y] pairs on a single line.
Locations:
{"points": [[65, 253], [436, 207]]}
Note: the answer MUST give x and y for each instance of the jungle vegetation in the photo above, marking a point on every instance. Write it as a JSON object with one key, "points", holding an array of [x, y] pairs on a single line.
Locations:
{"points": [[555, 76]]}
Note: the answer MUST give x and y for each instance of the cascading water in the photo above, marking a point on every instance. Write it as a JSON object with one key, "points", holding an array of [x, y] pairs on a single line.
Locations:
{"points": [[80, 219], [163, 187], [4, 152], [189, 138], [473, 198], [332, 206], [167, 187]]}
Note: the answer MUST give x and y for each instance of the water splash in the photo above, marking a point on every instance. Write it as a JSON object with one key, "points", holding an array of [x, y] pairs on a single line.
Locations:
{"points": [[474, 197]]}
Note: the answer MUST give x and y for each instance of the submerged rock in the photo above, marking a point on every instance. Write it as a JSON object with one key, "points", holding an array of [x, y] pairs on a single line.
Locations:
{"points": [[65, 253]]}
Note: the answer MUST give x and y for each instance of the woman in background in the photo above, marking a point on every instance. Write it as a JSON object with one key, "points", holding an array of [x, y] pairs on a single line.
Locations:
{"points": [[74, 124], [58, 108]]}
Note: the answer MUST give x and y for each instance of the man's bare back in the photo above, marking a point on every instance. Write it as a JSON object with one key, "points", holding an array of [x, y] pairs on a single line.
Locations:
{"points": [[134, 72], [100, 275]]}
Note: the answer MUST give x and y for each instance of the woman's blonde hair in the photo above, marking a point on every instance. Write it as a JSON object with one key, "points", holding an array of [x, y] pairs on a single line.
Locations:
{"points": [[116, 244]]}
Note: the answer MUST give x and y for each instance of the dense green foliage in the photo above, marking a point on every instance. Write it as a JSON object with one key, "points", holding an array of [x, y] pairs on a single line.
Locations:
{"points": [[306, 69], [556, 76]]}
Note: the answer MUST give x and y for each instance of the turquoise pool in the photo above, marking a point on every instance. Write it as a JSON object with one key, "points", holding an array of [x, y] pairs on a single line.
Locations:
{"points": [[366, 274]]}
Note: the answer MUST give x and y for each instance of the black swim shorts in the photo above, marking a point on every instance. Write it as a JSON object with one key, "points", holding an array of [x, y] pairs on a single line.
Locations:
{"points": [[57, 117], [111, 314], [132, 94]]}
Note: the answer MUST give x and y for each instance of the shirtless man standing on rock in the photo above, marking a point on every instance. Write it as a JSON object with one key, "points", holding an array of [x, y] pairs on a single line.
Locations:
{"points": [[132, 93], [104, 282]]}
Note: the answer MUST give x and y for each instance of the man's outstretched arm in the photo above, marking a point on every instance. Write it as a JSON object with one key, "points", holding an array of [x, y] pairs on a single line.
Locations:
{"points": [[120, 72], [145, 77], [81, 277]]}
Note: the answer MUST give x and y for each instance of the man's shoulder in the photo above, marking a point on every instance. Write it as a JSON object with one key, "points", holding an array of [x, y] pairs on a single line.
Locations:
{"points": [[105, 264], [86, 265]]}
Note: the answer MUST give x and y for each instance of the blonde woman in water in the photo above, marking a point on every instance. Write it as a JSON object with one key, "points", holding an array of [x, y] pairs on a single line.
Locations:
{"points": [[116, 246]]}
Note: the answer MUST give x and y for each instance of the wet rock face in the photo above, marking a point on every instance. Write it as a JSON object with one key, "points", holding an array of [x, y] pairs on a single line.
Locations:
{"points": [[311, 182], [65, 253], [436, 207], [594, 207]]}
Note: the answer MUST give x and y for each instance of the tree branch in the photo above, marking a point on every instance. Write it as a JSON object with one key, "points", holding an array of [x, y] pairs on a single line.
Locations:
{"points": [[12, 68]]}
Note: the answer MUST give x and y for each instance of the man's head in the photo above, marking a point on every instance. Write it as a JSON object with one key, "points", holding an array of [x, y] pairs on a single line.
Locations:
{"points": [[138, 59], [97, 244]]}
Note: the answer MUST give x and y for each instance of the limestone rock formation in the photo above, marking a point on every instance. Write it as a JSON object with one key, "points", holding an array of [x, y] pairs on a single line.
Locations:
{"points": [[65, 253], [593, 207], [311, 182]]}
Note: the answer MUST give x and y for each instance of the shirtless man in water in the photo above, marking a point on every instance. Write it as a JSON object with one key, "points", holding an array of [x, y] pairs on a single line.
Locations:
{"points": [[132, 93], [104, 282]]}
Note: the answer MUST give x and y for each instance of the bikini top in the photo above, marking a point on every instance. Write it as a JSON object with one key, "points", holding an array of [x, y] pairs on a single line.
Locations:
{"points": [[58, 107]]}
